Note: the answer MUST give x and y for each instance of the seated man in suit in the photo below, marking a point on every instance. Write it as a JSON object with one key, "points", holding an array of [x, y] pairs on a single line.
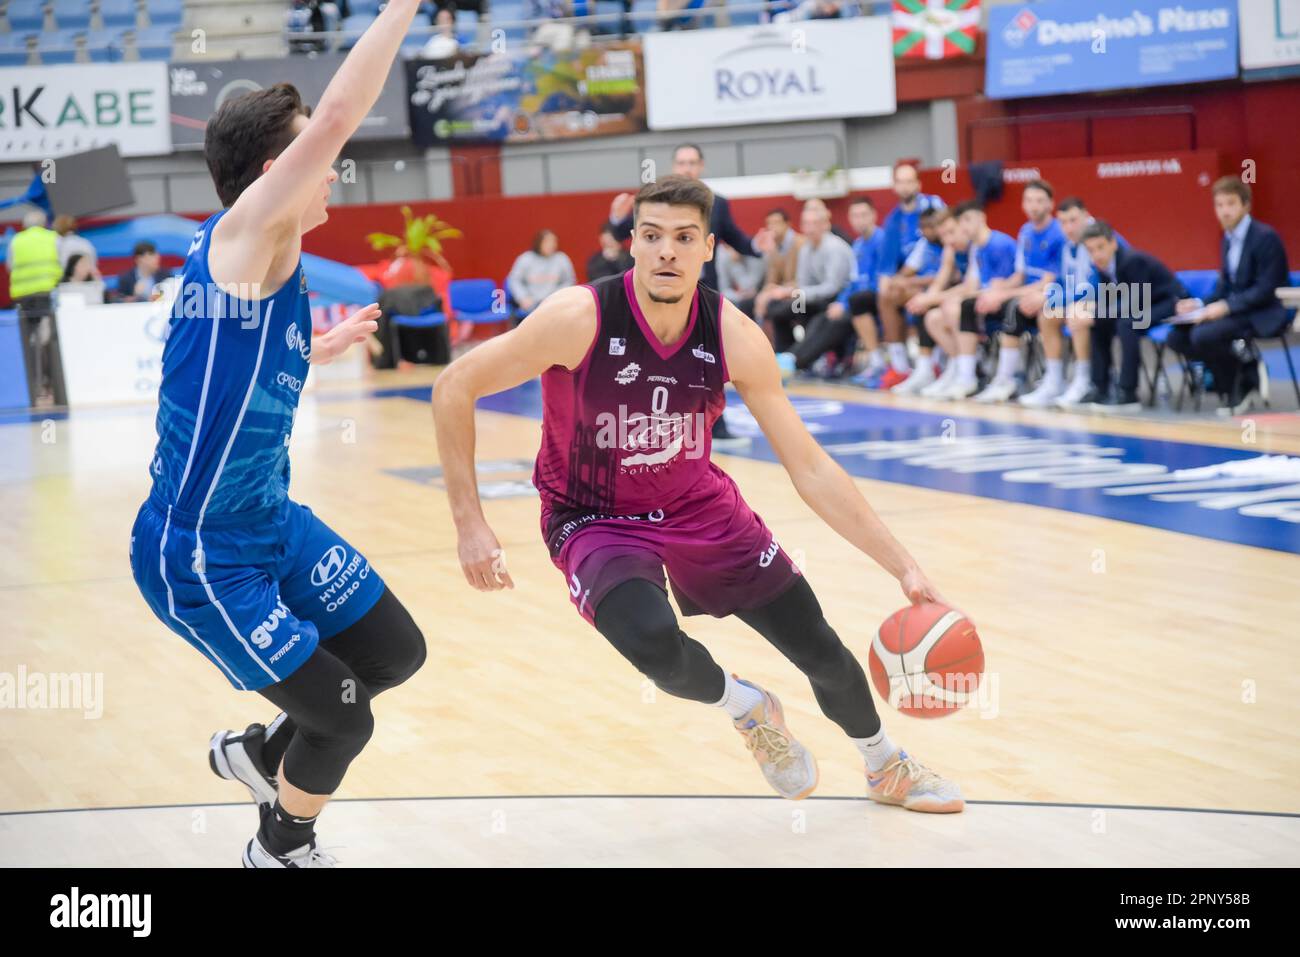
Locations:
{"points": [[137, 283], [1132, 292], [1244, 303]]}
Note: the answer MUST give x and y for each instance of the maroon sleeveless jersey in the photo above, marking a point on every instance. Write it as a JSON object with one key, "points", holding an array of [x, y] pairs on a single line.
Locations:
{"points": [[629, 431]]}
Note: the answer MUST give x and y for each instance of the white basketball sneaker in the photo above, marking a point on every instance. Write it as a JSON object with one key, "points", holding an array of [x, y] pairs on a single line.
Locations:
{"points": [[999, 390], [1046, 394], [941, 384], [309, 855], [238, 757], [957, 389]]}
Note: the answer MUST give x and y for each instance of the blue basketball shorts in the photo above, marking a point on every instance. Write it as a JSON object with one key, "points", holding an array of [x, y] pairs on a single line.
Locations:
{"points": [[254, 598]]}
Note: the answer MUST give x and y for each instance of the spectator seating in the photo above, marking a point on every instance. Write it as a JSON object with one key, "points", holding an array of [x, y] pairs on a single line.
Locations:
{"points": [[13, 49], [118, 13], [72, 14]]}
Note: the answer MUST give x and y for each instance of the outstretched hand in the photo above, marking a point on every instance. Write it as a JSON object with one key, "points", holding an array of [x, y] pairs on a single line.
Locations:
{"points": [[357, 327]]}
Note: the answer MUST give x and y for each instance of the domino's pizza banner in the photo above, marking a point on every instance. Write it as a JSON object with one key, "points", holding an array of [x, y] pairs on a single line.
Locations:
{"points": [[1063, 46]]}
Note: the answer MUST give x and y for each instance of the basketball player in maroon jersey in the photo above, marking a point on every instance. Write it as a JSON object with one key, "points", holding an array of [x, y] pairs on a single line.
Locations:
{"points": [[633, 368]]}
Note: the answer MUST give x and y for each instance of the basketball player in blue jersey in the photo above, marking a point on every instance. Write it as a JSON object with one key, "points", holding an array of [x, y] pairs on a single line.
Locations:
{"points": [[260, 586]]}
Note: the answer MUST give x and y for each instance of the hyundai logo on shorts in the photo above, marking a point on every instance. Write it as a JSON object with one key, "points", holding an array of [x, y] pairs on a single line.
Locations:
{"points": [[330, 564]]}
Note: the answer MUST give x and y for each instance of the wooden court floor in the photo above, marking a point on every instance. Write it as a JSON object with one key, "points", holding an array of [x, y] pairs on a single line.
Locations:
{"points": [[1167, 680]]}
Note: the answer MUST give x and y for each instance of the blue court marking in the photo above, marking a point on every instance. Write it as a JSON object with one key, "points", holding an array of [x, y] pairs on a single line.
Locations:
{"points": [[1121, 477]]}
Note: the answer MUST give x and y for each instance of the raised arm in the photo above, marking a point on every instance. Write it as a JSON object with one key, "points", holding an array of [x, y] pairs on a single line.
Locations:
{"points": [[558, 332], [269, 211], [820, 481]]}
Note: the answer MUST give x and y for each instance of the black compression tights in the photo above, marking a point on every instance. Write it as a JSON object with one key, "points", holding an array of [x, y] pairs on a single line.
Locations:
{"points": [[326, 701], [639, 622]]}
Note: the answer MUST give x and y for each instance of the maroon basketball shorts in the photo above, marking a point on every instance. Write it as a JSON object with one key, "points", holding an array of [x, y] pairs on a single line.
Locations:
{"points": [[718, 554]]}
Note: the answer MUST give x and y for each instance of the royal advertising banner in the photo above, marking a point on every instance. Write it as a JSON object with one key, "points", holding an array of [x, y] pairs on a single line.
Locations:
{"points": [[51, 111], [808, 69], [1270, 35], [516, 97], [1062, 46], [198, 88]]}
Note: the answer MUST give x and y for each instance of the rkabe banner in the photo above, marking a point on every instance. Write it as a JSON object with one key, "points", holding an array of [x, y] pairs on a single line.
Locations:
{"points": [[50, 111], [1063, 46], [518, 98]]}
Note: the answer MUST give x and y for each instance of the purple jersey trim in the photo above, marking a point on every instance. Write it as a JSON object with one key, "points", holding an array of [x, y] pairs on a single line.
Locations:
{"points": [[663, 351], [595, 336], [722, 351]]}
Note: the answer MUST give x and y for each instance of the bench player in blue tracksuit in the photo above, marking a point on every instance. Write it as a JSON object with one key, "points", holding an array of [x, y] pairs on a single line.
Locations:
{"points": [[260, 586]]}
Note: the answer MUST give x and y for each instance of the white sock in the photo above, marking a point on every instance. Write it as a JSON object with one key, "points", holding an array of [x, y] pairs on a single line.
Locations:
{"points": [[738, 699], [898, 357], [1052, 378], [1008, 363], [924, 370], [876, 750], [937, 354], [876, 360], [1082, 371], [965, 368]]}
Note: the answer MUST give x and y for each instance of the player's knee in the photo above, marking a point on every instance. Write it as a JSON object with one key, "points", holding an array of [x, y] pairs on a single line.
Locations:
{"points": [[409, 653], [638, 621], [821, 655]]}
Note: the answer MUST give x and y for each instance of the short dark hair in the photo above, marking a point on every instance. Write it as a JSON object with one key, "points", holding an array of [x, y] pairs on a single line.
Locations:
{"points": [[969, 206], [1098, 229], [1233, 186], [862, 201], [1069, 203], [688, 146], [1042, 184], [143, 248], [245, 132], [785, 217], [932, 214], [676, 191]]}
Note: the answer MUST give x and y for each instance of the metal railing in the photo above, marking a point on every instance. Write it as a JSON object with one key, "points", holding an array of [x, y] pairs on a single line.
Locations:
{"points": [[623, 23]]}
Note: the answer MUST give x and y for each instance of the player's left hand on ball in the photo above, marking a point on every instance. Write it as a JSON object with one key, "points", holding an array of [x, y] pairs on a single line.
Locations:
{"points": [[357, 327]]}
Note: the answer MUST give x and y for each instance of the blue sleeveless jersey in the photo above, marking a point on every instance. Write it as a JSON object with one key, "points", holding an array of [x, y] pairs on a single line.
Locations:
{"points": [[232, 372]]}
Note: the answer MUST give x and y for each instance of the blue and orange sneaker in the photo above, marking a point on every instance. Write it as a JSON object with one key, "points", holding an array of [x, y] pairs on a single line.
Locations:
{"points": [[786, 764], [907, 783]]}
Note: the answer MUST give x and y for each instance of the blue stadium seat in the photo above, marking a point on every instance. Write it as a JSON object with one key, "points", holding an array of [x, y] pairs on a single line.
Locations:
{"points": [[352, 27], [508, 11], [155, 43], [13, 49], [58, 46], [26, 15], [360, 7], [105, 46], [72, 13], [166, 12], [1199, 282], [117, 13], [472, 300]]}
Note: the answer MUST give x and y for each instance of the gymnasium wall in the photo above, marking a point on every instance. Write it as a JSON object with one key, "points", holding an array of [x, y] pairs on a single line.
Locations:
{"points": [[1167, 212]]}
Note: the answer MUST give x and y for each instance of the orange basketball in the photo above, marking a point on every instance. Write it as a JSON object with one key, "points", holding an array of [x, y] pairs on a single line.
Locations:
{"points": [[926, 660]]}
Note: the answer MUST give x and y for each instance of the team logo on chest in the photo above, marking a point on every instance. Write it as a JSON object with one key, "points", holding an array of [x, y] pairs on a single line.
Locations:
{"points": [[627, 375], [617, 347]]}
